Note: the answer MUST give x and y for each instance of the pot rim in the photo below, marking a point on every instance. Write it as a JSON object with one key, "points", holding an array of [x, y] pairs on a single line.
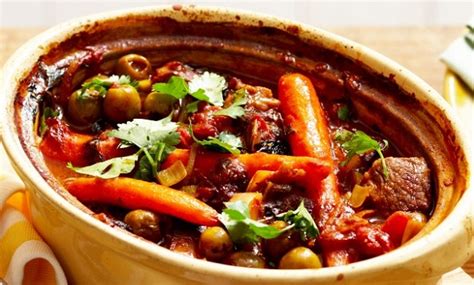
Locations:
{"points": [[28, 54]]}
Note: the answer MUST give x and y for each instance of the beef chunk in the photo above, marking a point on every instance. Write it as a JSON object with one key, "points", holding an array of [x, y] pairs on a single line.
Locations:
{"points": [[407, 187]]}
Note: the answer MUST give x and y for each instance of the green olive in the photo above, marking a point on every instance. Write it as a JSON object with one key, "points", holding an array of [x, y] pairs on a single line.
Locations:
{"points": [[159, 103], [275, 248], [84, 107], [134, 65], [122, 103], [145, 224], [246, 259], [215, 243], [300, 258], [144, 86]]}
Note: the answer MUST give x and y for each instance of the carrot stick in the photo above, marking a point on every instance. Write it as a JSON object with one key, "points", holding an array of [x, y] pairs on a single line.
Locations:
{"points": [[309, 136], [137, 194], [315, 170]]}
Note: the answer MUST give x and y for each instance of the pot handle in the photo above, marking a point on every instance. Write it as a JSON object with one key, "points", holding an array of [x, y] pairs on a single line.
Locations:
{"points": [[9, 185]]}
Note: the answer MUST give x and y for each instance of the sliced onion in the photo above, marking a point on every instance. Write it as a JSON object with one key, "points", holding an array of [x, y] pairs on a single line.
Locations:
{"points": [[416, 222], [192, 159], [259, 180], [364, 213], [173, 174], [190, 189], [359, 194]]}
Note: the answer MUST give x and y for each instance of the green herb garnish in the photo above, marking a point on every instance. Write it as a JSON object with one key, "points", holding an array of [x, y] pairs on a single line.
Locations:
{"points": [[156, 140], [47, 113], [237, 221], [108, 169], [144, 133], [204, 87], [176, 87], [469, 37], [212, 86], [225, 142], [343, 113], [358, 143], [301, 220], [235, 110]]}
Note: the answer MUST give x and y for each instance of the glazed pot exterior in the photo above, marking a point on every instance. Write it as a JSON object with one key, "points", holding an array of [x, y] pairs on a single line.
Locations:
{"points": [[91, 253]]}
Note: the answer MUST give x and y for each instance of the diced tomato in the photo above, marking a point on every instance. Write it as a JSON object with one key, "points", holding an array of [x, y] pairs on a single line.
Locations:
{"points": [[61, 143], [372, 241], [395, 226]]}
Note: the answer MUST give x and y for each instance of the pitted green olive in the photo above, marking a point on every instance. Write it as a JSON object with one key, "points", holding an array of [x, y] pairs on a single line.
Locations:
{"points": [[159, 103], [215, 243], [145, 224], [122, 103], [300, 258], [84, 107], [136, 66], [246, 259]]}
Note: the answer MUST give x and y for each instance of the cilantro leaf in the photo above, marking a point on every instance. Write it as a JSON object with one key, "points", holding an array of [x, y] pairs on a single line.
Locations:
{"points": [[469, 37], [176, 87], [192, 107], [108, 169], [225, 142], [343, 113], [47, 113], [101, 85], [212, 86], [301, 220], [153, 156], [235, 110], [360, 143], [241, 228], [142, 132]]}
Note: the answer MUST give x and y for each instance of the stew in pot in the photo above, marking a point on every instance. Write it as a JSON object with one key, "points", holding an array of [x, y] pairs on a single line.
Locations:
{"points": [[231, 170]]}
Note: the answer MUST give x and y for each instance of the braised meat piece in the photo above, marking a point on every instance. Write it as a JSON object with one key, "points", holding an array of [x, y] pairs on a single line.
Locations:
{"points": [[229, 177], [407, 187]]}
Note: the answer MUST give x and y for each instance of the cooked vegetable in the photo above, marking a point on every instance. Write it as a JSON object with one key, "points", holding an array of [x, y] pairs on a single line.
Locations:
{"points": [[144, 133], [172, 175], [343, 113], [215, 243], [358, 196], [300, 258], [136, 194], [246, 259], [145, 224], [242, 228], [360, 143], [212, 86], [225, 142], [175, 87], [301, 220], [85, 107], [108, 169], [159, 103], [136, 66], [235, 110], [47, 113], [122, 103], [313, 169], [254, 202], [275, 248], [302, 111]]}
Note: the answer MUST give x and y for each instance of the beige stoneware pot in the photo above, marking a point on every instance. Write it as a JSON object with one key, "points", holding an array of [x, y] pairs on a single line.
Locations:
{"points": [[93, 253]]}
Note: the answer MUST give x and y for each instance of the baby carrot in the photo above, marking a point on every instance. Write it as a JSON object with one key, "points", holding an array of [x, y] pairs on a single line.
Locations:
{"points": [[137, 194]]}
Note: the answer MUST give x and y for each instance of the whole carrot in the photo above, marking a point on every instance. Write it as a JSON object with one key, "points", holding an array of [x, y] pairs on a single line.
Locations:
{"points": [[315, 169], [137, 194], [309, 136]]}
